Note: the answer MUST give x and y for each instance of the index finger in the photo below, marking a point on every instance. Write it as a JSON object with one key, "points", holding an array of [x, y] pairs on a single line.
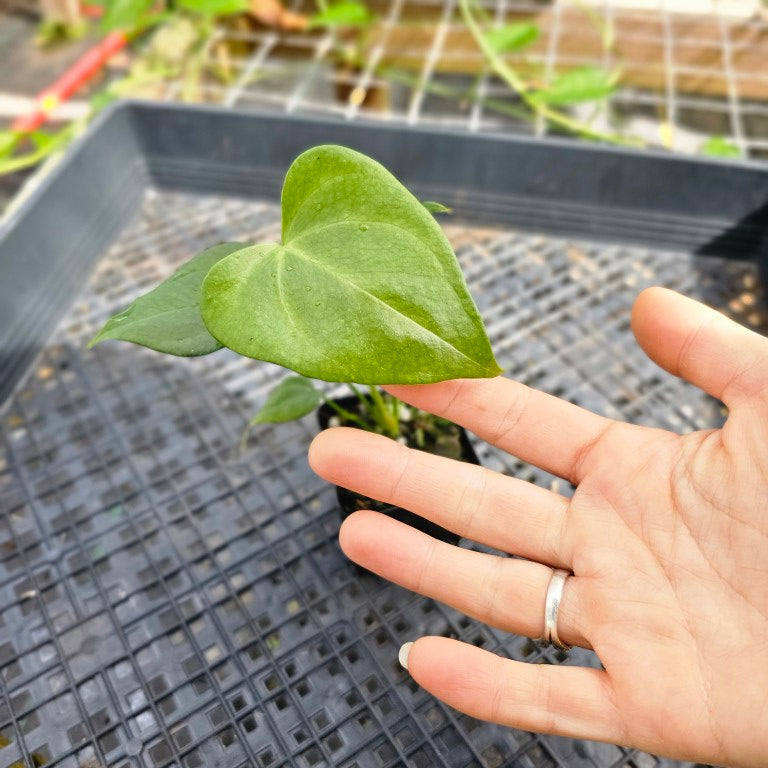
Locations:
{"points": [[538, 428]]}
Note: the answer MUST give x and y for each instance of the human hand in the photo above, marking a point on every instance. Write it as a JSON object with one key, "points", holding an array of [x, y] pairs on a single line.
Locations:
{"points": [[666, 535]]}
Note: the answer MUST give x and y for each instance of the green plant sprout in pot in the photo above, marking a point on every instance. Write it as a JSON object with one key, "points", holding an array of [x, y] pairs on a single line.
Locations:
{"points": [[364, 289]]}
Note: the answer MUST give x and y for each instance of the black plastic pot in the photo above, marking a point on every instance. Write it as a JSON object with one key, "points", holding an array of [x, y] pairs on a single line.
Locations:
{"points": [[350, 502]]}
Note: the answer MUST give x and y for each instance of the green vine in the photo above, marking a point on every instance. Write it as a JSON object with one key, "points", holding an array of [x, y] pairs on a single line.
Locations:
{"points": [[520, 87]]}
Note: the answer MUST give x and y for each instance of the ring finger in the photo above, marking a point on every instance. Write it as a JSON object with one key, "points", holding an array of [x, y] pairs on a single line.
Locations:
{"points": [[504, 592]]}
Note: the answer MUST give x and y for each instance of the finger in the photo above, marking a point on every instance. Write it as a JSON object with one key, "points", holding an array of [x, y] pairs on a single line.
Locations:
{"points": [[504, 592], [700, 345], [569, 701], [538, 428], [502, 512]]}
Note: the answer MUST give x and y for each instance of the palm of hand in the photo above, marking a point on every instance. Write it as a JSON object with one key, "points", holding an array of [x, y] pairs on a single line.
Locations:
{"points": [[670, 573], [667, 538]]}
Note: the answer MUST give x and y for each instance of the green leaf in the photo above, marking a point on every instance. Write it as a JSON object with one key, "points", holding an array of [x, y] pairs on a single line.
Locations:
{"points": [[346, 13], [365, 286], [719, 146], [103, 99], [578, 85], [434, 207], [167, 318], [42, 139], [123, 14], [214, 7], [512, 37], [9, 140], [291, 399]]}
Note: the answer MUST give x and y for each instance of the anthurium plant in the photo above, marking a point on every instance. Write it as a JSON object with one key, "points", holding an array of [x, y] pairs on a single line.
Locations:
{"points": [[363, 288]]}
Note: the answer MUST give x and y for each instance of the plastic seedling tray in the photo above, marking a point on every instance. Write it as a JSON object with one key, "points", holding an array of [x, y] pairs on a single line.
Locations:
{"points": [[168, 600]]}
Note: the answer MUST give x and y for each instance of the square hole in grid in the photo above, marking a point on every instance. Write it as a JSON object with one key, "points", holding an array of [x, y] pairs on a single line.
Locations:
{"points": [[643, 760], [432, 716], [251, 722], [707, 120], [502, 111], [423, 757], [451, 743], [538, 755], [755, 123], [384, 754]]}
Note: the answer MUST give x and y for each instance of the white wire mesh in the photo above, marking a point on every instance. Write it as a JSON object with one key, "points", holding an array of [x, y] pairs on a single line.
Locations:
{"points": [[684, 79]]}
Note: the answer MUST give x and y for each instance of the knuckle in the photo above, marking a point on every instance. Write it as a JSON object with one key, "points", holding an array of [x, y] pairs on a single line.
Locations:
{"points": [[420, 583], [395, 488], [471, 500], [581, 458], [456, 395], [493, 584], [497, 705], [544, 696], [511, 417]]}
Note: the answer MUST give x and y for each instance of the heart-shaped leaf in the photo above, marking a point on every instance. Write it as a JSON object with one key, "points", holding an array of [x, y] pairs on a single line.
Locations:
{"points": [[512, 37], [214, 7], [167, 318], [365, 286], [291, 399], [346, 13], [578, 85], [123, 14]]}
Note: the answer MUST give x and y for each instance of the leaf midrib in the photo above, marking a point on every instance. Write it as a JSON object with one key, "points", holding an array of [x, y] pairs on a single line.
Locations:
{"points": [[285, 232], [389, 307], [140, 320], [400, 229]]}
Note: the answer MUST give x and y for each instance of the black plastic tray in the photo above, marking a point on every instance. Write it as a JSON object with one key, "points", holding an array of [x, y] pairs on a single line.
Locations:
{"points": [[168, 600]]}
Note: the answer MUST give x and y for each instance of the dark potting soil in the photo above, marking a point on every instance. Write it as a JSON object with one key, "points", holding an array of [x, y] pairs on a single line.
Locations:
{"points": [[422, 431]]}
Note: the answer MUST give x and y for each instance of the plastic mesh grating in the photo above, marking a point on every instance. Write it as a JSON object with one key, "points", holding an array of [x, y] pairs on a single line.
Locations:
{"points": [[171, 601]]}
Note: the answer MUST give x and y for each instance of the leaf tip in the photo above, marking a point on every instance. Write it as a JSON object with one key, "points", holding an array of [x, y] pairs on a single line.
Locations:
{"points": [[434, 207], [96, 339]]}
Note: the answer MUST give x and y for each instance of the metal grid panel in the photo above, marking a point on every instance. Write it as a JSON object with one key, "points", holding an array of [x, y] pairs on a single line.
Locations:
{"points": [[171, 601], [685, 78]]}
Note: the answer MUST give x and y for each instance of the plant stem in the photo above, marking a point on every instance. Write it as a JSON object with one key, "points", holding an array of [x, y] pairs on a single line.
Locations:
{"points": [[383, 416], [366, 403], [447, 92], [19, 162], [602, 25], [516, 83], [347, 415]]}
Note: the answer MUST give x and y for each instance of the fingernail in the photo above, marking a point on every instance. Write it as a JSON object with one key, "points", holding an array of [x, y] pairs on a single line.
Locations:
{"points": [[402, 657]]}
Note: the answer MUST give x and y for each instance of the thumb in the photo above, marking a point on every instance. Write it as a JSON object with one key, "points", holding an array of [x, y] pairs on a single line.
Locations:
{"points": [[702, 346]]}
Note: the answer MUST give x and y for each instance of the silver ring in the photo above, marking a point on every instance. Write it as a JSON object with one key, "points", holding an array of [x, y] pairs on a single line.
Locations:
{"points": [[551, 606]]}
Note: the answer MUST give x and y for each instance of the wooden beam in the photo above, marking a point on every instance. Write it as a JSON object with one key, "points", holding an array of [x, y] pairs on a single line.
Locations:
{"points": [[696, 49]]}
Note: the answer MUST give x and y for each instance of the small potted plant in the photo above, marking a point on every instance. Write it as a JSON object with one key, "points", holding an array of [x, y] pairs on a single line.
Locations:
{"points": [[364, 289]]}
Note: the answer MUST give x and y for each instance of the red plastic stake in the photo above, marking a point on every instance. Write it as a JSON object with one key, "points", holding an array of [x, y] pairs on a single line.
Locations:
{"points": [[74, 77]]}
